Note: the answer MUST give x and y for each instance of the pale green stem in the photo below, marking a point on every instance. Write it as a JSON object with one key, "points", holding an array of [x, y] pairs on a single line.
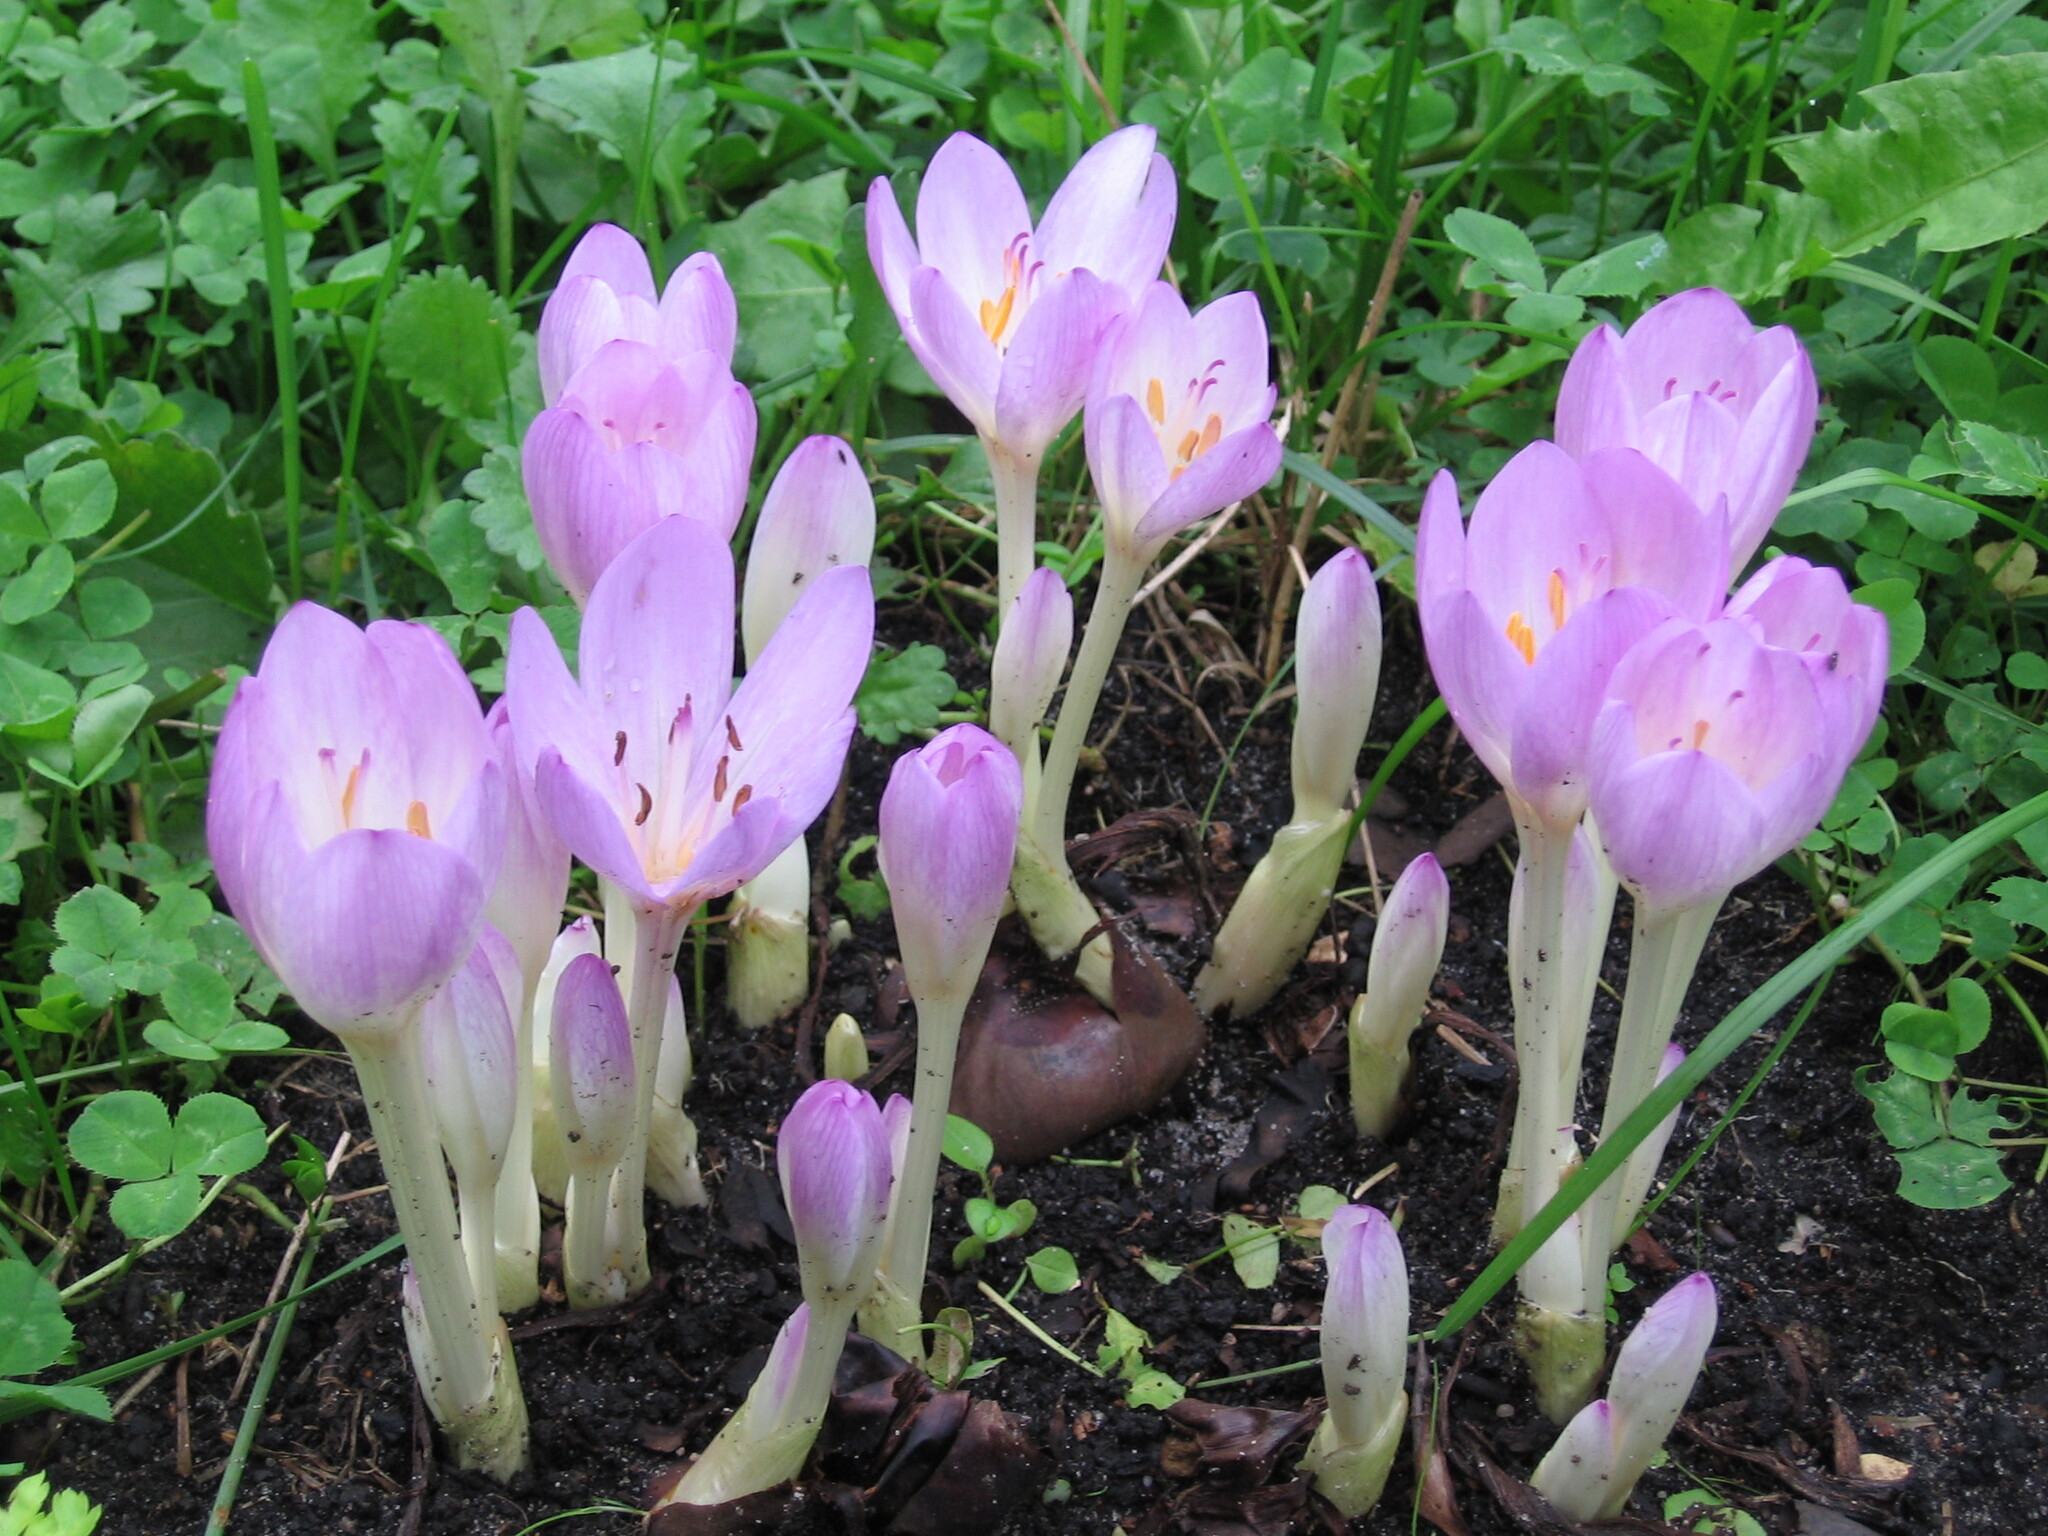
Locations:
{"points": [[400, 1106], [479, 1210], [1016, 483], [1662, 958], [1543, 988], [1114, 592], [906, 1246], [657, 933]]}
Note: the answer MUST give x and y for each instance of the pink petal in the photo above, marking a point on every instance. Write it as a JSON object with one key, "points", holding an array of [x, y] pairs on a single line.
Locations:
{"points": [[1229, 472], [547, 709], [1769, 452], [1679, 827], [589, 819], [1231, 333], [954, 349], [819, 513], [1594, 405], [1661, 537], [1125, 462], [698, 310], [1691, 341], [587, 504], [891, 251], [1113, 214], [1478, 672], [1046, 367], [607, 252], [970, 211], [581, 316], [1439, 543]]}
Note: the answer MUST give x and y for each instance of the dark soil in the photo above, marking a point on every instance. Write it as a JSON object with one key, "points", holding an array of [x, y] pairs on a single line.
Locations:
{"points": [[1852, 1323]]}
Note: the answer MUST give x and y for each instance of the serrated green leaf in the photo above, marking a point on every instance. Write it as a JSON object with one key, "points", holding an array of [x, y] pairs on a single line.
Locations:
{"points": [[158, 1208], [632, 102], [34, 1332], [98, 267], [1963, 154], [1903, 1106], [123, 1135], [447, 338], [904, 693], [501, 508], [462, 555]]}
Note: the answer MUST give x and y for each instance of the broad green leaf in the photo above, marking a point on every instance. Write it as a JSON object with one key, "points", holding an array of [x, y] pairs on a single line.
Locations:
{"points": [[1254, 1251], [2022, 900], [158, 1208], [788, 313], [498, 37], [1950, 1175], [110, 948], [39, 588], [317, 57], [904, 693], [110, 607], [34, 1332], [1894, 598], [1698, 31], [1961, 374], [102, 727], [203, 537], [631, 102], [447, 338], [1963, 154], [124, 1135], [20, 528], [1499, 245], [217, 1136], [98, 267], [1053, 1270], [968, 1145], [1921, 1041], [1318, 1202], [1621, 272], [31, 695], [1903, 1106], [89, 1402], [1753, 254], [1150, 1388], [78, 500]]}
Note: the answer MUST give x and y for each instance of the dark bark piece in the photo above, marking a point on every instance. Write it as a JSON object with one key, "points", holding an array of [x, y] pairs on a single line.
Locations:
{"points": [[1289, 1110], [751, 1204], [991, 1469], [1040, 1069], [1238, 1447], [1476, 831]]}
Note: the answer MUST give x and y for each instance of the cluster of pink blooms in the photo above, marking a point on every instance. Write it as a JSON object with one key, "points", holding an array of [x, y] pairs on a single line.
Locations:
{"points": [[1582, 631]]}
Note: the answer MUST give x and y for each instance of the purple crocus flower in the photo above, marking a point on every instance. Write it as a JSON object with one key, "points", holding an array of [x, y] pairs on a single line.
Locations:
{"points": [[1003, 314], [637, 435], [1807, 608], [948, 834], [356, 816], [652, 768], [833, 1153], [592, 1066], [1716, 752], [1724, 408], [607, 294], [1179, 416], [533, 876], [1524, 613], [819, 513]]}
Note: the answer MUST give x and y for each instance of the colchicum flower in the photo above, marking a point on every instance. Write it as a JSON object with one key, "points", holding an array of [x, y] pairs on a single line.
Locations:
{"points": [[1179, 420], [1337, 673], [665, 780], [1006, 315], [356, 817], [1591, 1470], [1407, 948], [833, 1151], [1724, 408], [948, 838], [1364, 1350], [636, 437], [818, 514], [607, 294], [594, 1099]]}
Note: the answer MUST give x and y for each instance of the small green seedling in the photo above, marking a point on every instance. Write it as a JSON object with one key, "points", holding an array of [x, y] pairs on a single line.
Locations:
{"points": [[862, 897], [1940, 1134], [129, 1136], [32, 1511], [35, 1335], [1122, 1353], [950, 1360], [968, 1145], [1053, 1270], [1710, 1516]]}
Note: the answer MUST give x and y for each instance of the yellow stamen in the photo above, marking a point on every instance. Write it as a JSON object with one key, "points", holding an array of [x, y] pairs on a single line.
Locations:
{"points": [[1189, 447], [1155, 402], [1212, 432], [1699, 734], [416, 820], [995, 316], [1557, 599], [1522, 637], [348, 796]]}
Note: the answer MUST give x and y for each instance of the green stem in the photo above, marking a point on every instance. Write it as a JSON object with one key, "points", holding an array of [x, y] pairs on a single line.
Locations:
{"points": [[584, 1273], [270, 208], [479, 1213], [906, 1248], [1114, 26], [657, 936], [508, 126]]}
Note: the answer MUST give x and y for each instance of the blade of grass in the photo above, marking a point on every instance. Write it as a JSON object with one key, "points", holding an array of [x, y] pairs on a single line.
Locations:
{"points": [[270, 207], [1749, 1016], [1251, 218]]}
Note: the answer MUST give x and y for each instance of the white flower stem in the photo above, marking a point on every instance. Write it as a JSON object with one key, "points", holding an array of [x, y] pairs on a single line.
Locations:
{"points": [[1016, 484], [657, 933], [485, 1417], [586, 1278], [1114, 592], [479, 1210], [1662, 959], [517, 1218], [892, 1307]]}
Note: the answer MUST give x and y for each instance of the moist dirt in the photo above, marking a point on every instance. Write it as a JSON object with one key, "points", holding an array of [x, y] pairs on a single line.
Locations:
{"points": [[1878, 1367]]}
